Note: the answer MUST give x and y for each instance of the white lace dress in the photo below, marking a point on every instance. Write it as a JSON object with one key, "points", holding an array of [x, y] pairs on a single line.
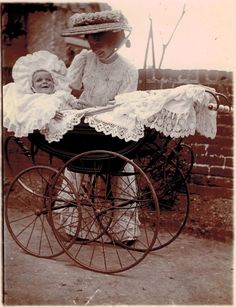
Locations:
{"points": [[101, 83]]}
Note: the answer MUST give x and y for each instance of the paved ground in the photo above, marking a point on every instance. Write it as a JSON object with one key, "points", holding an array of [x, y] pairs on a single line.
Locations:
{"points": [[189, 271]]}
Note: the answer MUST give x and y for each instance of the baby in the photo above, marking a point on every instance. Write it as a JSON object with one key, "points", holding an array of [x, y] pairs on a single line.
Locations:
{"points": [[42, 82], [38, 95]]}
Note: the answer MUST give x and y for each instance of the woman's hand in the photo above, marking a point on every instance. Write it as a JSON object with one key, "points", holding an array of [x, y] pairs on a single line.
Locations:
{"points": [[58, 116]]}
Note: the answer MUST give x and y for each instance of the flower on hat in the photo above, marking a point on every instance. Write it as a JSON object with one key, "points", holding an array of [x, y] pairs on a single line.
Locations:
{"points": [[95, 18], [87, 23]]}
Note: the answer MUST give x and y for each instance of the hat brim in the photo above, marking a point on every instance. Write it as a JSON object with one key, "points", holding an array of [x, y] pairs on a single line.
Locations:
{"points": [[96, 28]]}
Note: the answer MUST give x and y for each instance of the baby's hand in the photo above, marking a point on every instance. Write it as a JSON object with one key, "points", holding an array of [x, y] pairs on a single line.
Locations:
{"points": [[58, 116]]}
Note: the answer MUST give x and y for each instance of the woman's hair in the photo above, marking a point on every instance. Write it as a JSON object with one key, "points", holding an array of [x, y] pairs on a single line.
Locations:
{"points": [[115, 38], [118, 38]]}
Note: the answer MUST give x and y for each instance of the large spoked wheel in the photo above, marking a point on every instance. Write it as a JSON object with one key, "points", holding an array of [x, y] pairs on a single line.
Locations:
{"points": [[173, 195], [115, 212], [26, 212]]}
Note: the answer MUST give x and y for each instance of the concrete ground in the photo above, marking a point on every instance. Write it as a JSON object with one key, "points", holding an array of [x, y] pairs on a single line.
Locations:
{"points": [[190, 271]]}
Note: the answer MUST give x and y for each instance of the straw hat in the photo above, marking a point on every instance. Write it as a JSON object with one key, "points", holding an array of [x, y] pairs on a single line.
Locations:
{"points": [[87, 23]]}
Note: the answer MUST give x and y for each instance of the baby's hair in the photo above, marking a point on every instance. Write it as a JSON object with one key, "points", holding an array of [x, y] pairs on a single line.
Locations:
{"points": [[40, 70]]}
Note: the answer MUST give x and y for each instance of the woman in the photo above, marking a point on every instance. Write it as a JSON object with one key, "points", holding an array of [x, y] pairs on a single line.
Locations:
{"points": [[102, 74]]}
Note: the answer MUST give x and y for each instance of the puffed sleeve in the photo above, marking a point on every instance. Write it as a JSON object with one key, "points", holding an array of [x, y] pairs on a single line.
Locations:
{"points": [[130, 81], [76, 69]]}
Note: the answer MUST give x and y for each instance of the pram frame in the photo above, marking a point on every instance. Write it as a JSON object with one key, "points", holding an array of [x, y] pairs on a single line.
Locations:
{"points": [[170, 164]]}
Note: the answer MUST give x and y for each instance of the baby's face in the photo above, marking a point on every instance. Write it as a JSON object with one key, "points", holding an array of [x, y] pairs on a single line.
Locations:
{"points": [[42, 82]]}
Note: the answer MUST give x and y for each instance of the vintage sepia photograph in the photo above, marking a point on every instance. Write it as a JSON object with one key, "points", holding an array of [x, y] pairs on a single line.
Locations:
{"points": [[117, 152]]}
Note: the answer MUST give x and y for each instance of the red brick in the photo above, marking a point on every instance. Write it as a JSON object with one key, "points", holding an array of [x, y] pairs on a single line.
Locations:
{"points": [[225, 130], [199, 179], [225, 151], [222, 172], [229, 161], [220, 139], [197, 140], [211, 192], [200, 139], [224, 141], [190, 140], [197, 169], [220, 182], [225, 118], [199, 149], [203, 159]]}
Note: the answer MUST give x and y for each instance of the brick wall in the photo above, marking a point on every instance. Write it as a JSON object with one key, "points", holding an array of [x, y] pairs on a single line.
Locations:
{"points": [[212, 174]]}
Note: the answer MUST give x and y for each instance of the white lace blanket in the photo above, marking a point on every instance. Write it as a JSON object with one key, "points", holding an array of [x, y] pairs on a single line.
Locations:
{"points": [[177, 112], [57, 128]]}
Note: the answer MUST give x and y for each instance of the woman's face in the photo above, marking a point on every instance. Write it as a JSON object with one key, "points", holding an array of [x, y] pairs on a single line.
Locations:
{"points": [[102, 44], [42, 82]]}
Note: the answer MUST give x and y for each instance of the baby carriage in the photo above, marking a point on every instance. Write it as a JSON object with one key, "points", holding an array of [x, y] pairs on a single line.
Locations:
{"points": [[118, 188]]}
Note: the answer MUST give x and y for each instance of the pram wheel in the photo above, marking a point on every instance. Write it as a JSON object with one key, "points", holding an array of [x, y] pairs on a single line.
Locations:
{"points": [[182, 155], [165, 173], [26, 212], [114, 206], [173, 195]]}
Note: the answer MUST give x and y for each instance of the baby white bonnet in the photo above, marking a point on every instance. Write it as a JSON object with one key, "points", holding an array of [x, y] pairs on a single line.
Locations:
{"points": [[25, 66]]}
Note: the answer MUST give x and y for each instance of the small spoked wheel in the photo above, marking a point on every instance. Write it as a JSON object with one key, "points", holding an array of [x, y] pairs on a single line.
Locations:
{"points": [[116, 228], [173, 195], [182, 155], [26, 212]]}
